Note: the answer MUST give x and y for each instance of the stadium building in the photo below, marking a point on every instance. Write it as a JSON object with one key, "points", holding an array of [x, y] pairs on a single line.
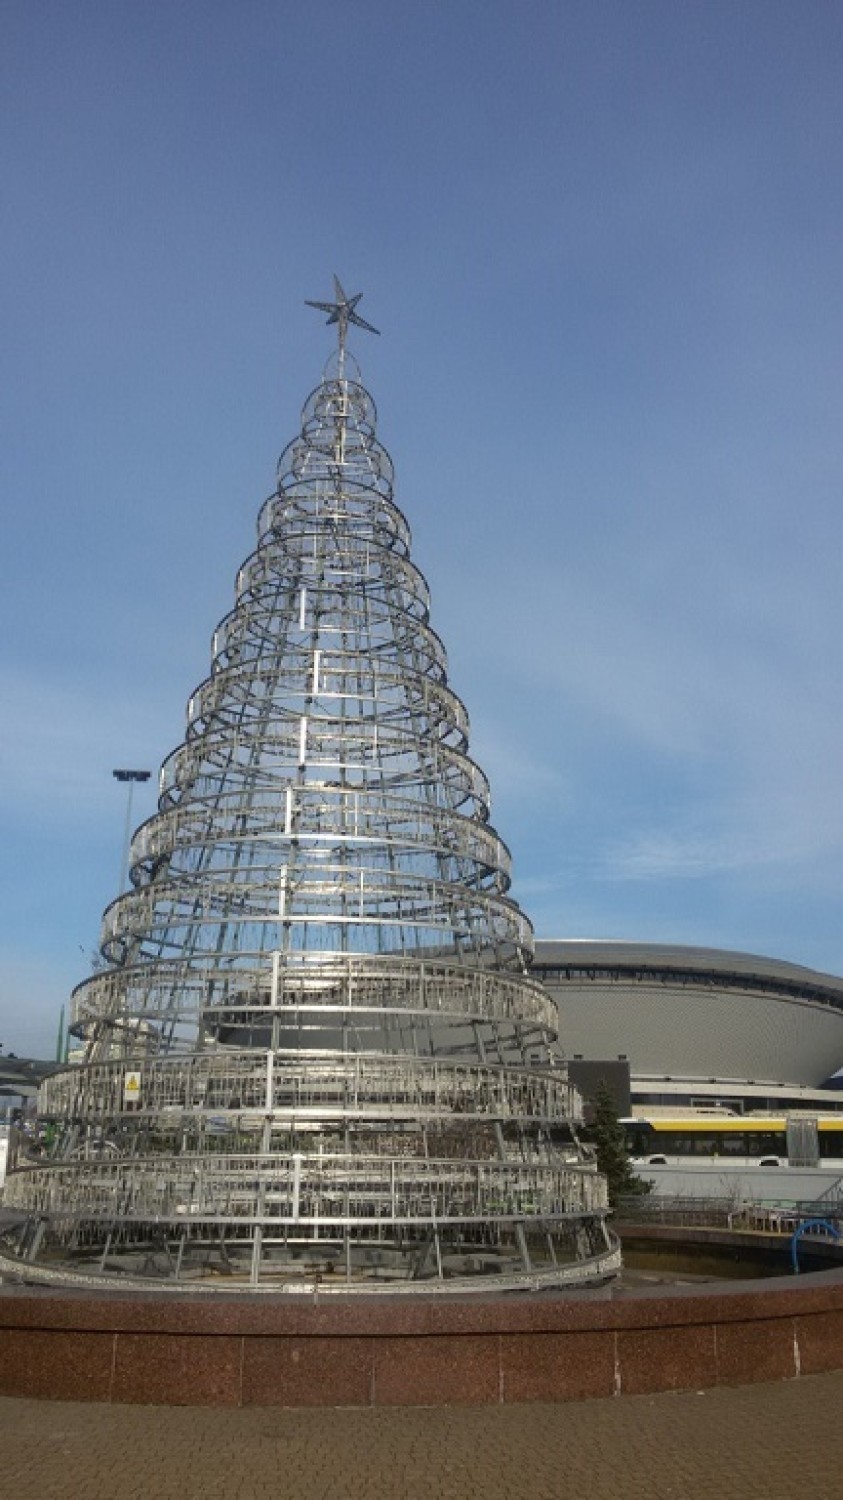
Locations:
{"points": [[699, 1027]]}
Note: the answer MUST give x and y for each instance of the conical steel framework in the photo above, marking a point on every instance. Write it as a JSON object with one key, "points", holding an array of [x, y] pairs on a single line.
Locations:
{"points": [[315, 1056]]}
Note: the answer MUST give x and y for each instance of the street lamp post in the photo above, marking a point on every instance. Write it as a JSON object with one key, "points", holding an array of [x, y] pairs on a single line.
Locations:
{"points": [[131, 777]]}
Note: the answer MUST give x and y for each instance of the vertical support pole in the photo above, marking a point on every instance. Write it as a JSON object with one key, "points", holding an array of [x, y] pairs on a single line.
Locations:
{"points": [[127, 834], [438, 1248], [296, 1205], [523, 1248], [257, 1246]]}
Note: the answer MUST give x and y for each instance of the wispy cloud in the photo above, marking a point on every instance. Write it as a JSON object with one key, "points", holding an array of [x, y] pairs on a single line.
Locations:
{"points": [[684, 854], [727, 689]]}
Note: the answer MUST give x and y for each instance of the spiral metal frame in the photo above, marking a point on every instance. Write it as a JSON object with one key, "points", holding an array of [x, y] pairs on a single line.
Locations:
{"points": [[315, 1057]]}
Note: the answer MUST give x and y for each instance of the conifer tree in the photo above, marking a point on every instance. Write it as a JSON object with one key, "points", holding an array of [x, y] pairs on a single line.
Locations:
{"points": [[607, 1137]]}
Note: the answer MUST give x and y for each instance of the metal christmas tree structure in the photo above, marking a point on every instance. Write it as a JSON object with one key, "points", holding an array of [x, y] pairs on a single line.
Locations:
{"points": [[314, 1057]]}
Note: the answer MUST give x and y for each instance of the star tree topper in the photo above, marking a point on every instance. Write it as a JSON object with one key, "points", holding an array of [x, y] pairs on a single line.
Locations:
{"points": [[342, 312]]}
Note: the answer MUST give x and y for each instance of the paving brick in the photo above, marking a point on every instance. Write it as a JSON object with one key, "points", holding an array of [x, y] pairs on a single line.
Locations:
{"points": [[761, 1442]]}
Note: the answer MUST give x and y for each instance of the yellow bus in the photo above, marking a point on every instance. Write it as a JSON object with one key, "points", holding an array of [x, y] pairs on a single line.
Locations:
{"points": [[746, 1140]]}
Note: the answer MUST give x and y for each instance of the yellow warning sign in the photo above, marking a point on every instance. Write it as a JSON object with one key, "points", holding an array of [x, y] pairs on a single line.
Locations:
{"points": [[131, 1088]]}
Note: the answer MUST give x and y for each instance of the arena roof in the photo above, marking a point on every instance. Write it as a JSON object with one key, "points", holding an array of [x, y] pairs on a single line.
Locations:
{"points": [[694, 1012], [588, 953]]}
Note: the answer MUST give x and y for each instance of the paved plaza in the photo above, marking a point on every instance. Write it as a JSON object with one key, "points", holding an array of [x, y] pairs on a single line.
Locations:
{"points": [[762, 1442]]}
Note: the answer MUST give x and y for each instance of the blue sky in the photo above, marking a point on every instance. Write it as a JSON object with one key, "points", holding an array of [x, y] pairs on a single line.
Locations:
{"points": [[604, 244]]}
